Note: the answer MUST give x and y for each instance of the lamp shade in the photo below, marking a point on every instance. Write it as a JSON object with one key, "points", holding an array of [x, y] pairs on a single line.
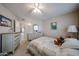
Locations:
{"points": [[72, 28]]}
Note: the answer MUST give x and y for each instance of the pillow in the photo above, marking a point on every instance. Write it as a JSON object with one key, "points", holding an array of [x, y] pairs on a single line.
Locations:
{"points": [[70, 43]]}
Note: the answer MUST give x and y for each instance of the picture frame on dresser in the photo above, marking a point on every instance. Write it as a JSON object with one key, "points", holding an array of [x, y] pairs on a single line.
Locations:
{"points": [[4, 21]]}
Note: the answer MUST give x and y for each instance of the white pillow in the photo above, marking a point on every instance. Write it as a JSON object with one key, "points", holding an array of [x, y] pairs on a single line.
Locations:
{"points": [[70, 43]]}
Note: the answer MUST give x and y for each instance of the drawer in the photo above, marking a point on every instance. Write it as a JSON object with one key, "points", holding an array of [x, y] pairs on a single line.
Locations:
{"points": [[17, 38]]}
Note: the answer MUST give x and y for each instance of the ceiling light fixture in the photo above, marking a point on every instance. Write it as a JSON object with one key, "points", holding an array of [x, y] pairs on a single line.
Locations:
{"points": [[36, 9], [36, 5]]}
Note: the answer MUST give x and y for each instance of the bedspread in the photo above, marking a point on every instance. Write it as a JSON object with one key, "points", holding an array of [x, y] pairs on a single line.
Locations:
{"points": [[44, 46]]}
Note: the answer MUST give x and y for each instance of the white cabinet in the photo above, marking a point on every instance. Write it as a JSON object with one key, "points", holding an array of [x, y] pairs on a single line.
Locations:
{"points": [[10, 42], [31, 36], [7, 42], [16, 40], [5, 29]]}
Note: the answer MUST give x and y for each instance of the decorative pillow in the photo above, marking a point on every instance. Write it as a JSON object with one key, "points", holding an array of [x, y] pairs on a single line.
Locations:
{"points": [[70, 43]]}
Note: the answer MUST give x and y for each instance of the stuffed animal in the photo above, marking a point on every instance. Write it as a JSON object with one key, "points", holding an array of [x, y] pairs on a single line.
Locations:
{"points": [[59, 41]]}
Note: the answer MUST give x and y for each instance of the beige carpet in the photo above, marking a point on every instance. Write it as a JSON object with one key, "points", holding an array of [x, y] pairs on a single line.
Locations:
{"points": [[21, 50]]}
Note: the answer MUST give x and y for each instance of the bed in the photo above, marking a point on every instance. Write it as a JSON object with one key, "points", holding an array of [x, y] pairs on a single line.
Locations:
{"points": [[44, 46]]}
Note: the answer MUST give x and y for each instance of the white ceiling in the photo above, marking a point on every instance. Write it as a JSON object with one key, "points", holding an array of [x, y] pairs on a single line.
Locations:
{"points": [[49, 10]]}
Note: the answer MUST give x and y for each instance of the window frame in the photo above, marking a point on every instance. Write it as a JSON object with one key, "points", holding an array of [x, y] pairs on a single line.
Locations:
{"points": [[34, 29]]}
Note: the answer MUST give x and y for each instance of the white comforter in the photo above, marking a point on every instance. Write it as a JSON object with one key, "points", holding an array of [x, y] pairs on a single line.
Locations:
{"points": [[45, 46]]}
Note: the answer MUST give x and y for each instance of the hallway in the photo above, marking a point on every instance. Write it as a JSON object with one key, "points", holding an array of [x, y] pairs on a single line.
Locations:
{"points": [[21, 50]]}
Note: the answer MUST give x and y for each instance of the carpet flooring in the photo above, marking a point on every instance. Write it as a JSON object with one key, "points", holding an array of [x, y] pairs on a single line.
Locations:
{"points": [[21, 50]]}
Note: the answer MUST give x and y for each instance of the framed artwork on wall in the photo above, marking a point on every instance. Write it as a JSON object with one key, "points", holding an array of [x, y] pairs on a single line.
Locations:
{"points": [[54, 25], [4, 21]]}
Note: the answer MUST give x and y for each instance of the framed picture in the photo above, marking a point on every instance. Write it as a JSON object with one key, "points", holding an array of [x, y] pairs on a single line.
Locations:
{"points": [[54, 25], [4, 21]]}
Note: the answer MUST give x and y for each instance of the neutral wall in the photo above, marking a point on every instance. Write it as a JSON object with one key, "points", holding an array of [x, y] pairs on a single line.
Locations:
{"points": [[7, 13], [62, 24], [29, 28]]}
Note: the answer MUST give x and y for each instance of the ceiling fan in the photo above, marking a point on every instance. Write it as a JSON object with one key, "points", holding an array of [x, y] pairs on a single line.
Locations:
{"points": [[36, 9]]}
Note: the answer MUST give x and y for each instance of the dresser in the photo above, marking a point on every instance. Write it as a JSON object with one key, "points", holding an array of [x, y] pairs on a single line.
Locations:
{"points": [[10, 41], [35, 35]]}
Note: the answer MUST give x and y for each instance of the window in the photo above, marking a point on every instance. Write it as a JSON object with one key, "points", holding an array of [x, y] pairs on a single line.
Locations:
{"points": [[35, 28]]}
